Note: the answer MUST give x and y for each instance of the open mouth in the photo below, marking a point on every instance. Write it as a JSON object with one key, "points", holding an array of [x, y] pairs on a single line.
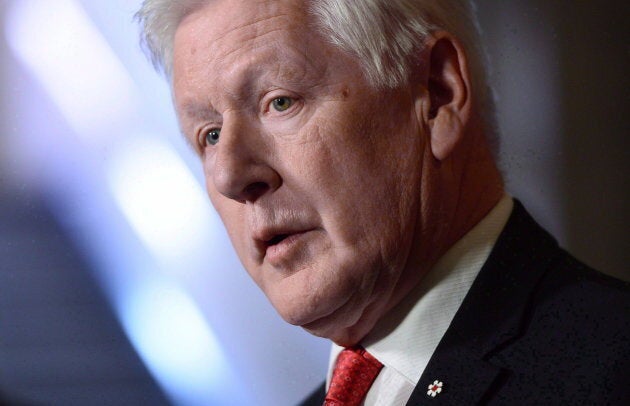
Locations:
{"points": [[277, 239], [281, 245]]}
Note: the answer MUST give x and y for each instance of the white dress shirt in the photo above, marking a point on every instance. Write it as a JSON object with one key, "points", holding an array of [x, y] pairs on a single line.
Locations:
{"points": [[418, 323]]}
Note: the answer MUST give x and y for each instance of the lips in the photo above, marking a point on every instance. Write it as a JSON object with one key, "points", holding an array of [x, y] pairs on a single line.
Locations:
{"points": [[276, 245], [276, 239]]}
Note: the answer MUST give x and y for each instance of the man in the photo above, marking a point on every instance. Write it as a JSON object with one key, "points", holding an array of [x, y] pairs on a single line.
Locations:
{"points": [[347, 147]]}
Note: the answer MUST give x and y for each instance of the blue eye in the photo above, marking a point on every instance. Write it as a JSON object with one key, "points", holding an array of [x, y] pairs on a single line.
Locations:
{"points": [[212, 136], [282, 103]]}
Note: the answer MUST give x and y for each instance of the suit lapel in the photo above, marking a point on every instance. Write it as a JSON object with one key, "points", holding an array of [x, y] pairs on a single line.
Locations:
{"points": [[492, 315]]}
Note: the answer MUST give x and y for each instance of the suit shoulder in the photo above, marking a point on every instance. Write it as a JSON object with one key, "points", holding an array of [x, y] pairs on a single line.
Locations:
{"points": [[582, 305], [578, 328], [576, 285]]}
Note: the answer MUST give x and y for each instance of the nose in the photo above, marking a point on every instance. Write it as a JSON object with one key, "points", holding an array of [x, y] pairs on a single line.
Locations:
{"points": [[241, 169]]}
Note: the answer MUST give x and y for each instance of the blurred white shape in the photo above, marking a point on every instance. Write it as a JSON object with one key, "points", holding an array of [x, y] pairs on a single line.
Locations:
{"points": [[60, 45], [178, 346], [162, 201]]}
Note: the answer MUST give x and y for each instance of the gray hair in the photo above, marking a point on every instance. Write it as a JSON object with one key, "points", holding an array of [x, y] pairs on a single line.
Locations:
{"points": [[383, 34]]}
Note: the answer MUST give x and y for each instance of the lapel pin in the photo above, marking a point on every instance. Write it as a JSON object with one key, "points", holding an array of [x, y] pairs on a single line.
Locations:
{"points": [[434, 388]]}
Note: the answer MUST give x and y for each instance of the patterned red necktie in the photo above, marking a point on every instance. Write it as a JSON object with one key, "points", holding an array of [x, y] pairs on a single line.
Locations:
{"points": [[354, 373]]}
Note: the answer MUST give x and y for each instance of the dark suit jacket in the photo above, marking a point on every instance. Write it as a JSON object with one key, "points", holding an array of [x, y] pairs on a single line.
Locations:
{"points": [[536, 328]]}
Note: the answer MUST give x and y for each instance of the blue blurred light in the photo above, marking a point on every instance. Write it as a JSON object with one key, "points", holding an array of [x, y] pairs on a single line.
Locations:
{"points": [[162, 201], [150, 185], [173, 338], [59, 44]]}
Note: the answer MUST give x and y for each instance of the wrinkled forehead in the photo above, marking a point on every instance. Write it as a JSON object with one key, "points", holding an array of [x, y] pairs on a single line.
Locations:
{"points": [[229, 50], [226, 45], [229, 36], [238, 22]]}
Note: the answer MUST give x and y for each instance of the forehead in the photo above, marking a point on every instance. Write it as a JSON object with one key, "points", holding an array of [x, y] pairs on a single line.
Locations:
{"points": [[231, 53], [223, 30], [226, 45]]}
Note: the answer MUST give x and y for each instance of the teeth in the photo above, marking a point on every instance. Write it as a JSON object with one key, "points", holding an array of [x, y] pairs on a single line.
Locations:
{"points": [[277, 239]]}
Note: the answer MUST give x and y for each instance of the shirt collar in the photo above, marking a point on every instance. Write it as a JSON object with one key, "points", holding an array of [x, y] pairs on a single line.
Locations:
{"points": [[426, 312]]}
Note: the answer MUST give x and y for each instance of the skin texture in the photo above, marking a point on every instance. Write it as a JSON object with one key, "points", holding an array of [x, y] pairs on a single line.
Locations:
{"points": [[366, 185]]}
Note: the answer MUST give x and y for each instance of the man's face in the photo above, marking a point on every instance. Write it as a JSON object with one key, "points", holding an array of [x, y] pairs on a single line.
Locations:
{"points": [[316, 175]]}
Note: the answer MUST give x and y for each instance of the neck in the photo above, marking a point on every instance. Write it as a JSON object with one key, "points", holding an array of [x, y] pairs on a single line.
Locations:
{"points": [[457, 194]]}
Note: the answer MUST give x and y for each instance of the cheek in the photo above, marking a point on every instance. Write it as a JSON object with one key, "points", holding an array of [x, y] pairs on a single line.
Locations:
{"points": [[374, 178], [361, 170]]}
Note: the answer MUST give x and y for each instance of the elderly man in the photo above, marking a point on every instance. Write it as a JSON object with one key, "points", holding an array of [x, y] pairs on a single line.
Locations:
{"points": [[348, 148]]}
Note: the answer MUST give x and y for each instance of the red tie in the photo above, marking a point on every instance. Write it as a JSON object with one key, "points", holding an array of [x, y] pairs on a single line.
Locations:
{"points": [[354, 373]]}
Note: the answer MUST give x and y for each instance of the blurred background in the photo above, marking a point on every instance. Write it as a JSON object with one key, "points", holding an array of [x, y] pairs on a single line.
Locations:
{"points": [[118, 285]]}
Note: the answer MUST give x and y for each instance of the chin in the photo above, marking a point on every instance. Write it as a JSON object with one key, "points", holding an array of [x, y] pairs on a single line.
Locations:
{"points": [[345, 328], [305, 300], [342, 307], [295, 310], [318, 319], [295, 317], [340, 335]]}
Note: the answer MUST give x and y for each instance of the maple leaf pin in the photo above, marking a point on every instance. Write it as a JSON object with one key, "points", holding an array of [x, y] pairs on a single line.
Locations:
{"points": [[434, 388]]}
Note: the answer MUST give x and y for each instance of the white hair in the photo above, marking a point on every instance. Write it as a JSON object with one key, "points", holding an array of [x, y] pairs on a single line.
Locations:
{"points": [[385, 36]]}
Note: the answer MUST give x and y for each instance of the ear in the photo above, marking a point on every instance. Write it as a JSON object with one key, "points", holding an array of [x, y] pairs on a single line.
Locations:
{"points": [[449, 94]]}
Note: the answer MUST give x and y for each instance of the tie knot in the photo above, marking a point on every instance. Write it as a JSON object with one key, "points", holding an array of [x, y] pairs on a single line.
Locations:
{"points": [[353, 375]]}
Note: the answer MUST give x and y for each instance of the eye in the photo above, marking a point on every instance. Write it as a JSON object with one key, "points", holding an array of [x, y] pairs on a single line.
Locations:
{"points": [[212, 136], [282, 103]]}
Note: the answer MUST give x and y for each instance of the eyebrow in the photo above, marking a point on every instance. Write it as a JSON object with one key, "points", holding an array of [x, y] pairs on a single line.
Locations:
{"points": [[198, 112], [194, 113]]}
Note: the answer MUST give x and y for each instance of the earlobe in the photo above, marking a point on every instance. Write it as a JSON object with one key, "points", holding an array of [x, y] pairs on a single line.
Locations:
{"points": [[449, 95], [446, 132]]}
